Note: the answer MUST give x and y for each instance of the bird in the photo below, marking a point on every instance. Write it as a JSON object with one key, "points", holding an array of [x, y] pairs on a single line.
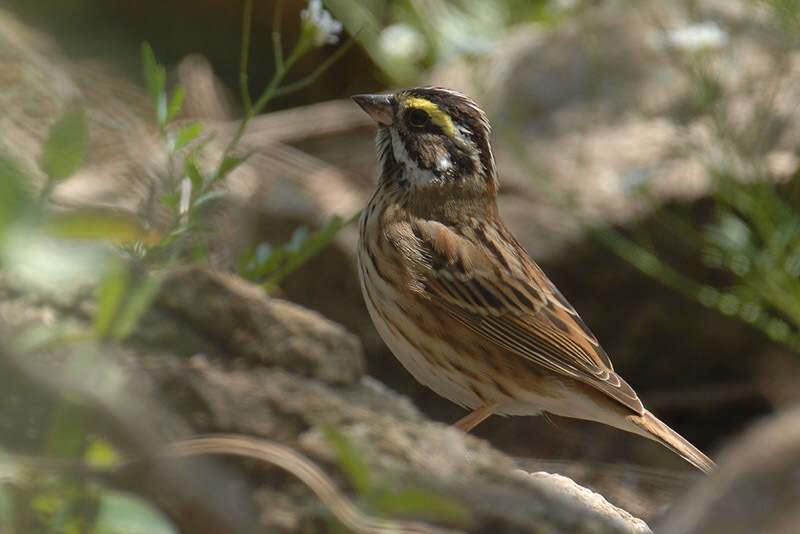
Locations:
{"points": [[453, 294]]}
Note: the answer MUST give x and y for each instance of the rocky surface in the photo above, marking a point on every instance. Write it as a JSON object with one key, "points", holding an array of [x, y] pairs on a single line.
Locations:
{"points": [[167, 386], [755, 489]]}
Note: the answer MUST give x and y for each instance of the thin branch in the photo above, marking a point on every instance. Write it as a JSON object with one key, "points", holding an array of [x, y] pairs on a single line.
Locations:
{"points": [[311, 78]]}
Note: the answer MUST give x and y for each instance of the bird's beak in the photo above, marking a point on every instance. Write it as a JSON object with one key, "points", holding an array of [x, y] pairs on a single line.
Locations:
{"points": [[379, 107]]}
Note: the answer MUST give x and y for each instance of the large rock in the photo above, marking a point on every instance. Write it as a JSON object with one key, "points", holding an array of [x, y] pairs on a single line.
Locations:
{"points": [[159, 387], [755, 488]]}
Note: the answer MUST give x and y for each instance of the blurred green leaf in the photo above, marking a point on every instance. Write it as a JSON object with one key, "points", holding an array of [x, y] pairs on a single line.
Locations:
{"points": [[170, 201], [210, 196], [187, 134], [302, 246], [420, 504], [123, 513], [100, 224], [110, 296], [66, 432], [175, 103], [66, 145], [13, 200], [121, 300], [155, 77], [228, 164], [101, 453], [6, 508], [137, 302], [193, 172], [349, 460]]}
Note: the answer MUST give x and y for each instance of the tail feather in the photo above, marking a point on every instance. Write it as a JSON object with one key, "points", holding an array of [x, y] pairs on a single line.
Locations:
{"points": [[658, 431]]}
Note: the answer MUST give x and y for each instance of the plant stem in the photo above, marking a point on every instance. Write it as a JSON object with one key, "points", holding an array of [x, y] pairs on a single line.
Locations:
{"points": [[308, 80]]}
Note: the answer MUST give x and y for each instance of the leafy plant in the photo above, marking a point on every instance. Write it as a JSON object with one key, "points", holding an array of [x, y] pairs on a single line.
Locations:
{"points": [[62, 248], [193, 188], [751, 244], [268, 266]]}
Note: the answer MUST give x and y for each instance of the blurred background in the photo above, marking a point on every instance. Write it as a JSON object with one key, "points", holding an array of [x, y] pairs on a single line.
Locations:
{"points": [[648, 159]]}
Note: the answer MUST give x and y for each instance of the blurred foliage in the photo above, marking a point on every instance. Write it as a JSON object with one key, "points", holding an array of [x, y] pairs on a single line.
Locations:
{"points": [[194, 190], [66, 145], [404, 38], [751, 245], [267, 266], [48, 248]]}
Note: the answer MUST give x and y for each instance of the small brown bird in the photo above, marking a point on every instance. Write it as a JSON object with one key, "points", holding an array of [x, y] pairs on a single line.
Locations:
{"points": [[457, 299]]}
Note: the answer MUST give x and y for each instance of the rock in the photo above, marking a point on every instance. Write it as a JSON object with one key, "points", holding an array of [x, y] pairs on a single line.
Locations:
{"points": [[252, 329], [755, 488], [153, 390]]}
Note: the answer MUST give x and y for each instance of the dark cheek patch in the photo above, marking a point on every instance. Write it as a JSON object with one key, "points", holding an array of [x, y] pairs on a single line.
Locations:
{"points": [[426, 148]]}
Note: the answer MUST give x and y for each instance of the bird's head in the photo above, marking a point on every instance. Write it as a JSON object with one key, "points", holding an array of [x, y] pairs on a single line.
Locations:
{"points": [[433, 141]]}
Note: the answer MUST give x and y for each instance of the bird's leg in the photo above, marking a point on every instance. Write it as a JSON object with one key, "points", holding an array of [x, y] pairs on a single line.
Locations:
{"points": [[472, 419]]}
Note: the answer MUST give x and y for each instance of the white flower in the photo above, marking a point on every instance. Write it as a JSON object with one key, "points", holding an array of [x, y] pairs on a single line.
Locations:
{"points": [[401, 41], [706, 35], [326, 28]]}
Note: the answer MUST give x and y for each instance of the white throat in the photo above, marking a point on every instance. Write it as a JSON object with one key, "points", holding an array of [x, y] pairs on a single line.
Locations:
{"points": [[415, 174]]}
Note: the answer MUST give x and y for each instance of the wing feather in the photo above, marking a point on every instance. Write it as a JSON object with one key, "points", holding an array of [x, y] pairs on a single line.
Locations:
{"points": [[510, 302]]}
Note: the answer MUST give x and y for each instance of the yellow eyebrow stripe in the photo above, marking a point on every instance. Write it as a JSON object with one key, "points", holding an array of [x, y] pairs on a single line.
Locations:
{"points": [[438, 117]]}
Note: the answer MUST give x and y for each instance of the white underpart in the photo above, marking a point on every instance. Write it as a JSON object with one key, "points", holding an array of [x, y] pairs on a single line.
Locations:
{"points": [[411, 358]]}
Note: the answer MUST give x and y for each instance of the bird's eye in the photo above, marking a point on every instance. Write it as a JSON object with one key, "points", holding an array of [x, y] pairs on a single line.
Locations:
{"points": [[418, 118]]}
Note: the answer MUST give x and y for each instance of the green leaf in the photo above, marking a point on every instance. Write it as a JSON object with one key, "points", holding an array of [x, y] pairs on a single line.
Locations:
{"points": [[155, 75], [137, 302], [302, 247], [13, 200], [66, 145], [101, 453], [193, 172], [170, 201], [66, 431], [110, 297], [100, 224], [349, 460], [228, 164], [208, 197], [187, 134], [175, 103], [124, 513], [419, 503]]}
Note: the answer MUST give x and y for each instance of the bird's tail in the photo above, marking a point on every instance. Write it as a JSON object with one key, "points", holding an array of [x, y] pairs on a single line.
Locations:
{"points": [[650, 426]]}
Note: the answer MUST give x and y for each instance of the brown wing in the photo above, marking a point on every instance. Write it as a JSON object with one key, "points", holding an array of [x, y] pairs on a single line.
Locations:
{"points": [[502, 295]]}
